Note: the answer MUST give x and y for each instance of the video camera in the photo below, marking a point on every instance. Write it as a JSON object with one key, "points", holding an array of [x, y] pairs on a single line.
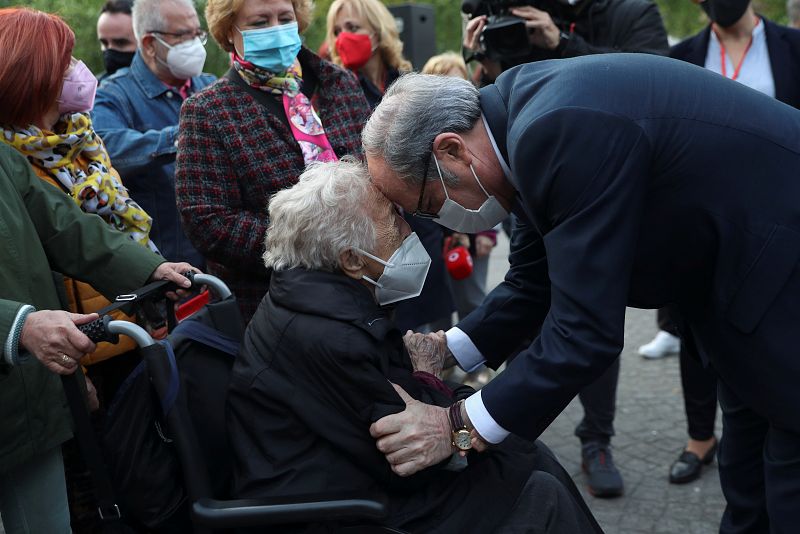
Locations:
{"points": [[504, 36]]}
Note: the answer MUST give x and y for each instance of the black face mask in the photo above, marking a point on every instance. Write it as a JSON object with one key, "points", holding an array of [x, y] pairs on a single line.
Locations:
{"points": [[725, 12], [113, 60]]}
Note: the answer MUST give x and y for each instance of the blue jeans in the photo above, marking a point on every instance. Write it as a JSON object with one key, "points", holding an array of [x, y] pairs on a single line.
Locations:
{"points": [[33, 496]]}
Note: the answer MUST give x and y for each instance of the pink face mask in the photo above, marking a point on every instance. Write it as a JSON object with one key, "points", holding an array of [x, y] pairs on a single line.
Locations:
{"points": [[77, 93]]}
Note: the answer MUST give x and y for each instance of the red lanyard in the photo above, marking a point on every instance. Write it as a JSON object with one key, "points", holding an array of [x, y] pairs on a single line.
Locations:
{"points": [[741, 61]]}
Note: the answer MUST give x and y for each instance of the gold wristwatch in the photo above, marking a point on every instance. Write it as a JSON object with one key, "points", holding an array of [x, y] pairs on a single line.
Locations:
{"points": [[462, 440]]}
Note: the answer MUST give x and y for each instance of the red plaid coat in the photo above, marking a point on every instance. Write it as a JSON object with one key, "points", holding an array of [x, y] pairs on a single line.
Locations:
{"points": [[233, 154]]}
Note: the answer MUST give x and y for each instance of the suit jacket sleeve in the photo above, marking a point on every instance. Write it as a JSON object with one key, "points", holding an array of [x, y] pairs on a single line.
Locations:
{"points": [[513, 312], [585, 180], [642, 31]]}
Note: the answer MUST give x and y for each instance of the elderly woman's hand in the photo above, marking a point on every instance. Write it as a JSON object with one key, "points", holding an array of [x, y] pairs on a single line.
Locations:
{"points": [[54, 339], [428, 352]]}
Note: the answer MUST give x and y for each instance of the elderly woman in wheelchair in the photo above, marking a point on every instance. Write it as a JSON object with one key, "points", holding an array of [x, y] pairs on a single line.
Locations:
{"points": [[322, 360]]}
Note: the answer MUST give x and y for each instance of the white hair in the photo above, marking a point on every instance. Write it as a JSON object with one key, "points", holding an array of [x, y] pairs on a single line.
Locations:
{"points": [[147, 17], [415, 109], [325, 213]]}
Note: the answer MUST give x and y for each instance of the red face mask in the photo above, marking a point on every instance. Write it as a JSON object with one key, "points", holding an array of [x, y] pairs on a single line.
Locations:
{"points": [[355, 49]]}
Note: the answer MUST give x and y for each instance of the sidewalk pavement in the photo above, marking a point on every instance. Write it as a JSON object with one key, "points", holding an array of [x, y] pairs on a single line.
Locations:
{"points": [[650, 434]]}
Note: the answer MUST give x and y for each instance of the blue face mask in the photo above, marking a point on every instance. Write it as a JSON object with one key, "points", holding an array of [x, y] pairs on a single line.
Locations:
{"points": [[274, 48]]}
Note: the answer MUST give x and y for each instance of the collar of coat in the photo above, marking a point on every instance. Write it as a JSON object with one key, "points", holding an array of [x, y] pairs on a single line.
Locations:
{"points": [[332, 295]]}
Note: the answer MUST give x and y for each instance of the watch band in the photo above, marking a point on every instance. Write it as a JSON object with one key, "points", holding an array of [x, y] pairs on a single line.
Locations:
{"points": [[456, 421]]}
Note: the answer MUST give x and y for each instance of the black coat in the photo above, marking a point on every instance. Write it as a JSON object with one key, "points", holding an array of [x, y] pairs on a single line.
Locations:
{"points": [[313, 375], [603, 26], [642, 181], [783, 45]]}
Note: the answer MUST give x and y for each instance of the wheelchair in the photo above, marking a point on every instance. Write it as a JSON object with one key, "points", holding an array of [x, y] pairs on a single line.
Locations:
{"points": [[209, 341]]}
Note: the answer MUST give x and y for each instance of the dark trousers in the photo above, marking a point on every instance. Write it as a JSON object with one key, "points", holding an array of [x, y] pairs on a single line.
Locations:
{"points": [[699, 385], [699, 395], [759, 471], [599, 400], [549, 503]]}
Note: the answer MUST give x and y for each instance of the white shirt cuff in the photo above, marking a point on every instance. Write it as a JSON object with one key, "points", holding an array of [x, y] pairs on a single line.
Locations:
{"points": [[467, 355], [484, 423]]}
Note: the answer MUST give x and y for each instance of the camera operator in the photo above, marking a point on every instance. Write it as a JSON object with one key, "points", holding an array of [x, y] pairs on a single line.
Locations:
{"points": [[503, 34], [565, 28]]}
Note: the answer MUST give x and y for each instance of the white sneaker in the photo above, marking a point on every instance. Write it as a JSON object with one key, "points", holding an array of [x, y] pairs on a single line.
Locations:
{"points": [[662, 345]]}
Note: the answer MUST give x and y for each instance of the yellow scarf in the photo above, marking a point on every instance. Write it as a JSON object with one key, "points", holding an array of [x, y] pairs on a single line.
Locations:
{"points": [[94, 188]]}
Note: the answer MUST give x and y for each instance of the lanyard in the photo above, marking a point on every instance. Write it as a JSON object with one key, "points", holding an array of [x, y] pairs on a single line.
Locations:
{"points": [[738, 67]]}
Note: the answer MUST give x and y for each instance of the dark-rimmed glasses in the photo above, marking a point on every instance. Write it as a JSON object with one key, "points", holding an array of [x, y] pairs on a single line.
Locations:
{"points": [[418, 212], [186, 36]]}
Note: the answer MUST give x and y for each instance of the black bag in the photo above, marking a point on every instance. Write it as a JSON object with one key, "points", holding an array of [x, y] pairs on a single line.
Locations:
{"points": [[143, 464]]}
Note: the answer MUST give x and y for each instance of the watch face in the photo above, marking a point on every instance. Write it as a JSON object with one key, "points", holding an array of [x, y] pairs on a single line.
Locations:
{"points": [[462, 440]]}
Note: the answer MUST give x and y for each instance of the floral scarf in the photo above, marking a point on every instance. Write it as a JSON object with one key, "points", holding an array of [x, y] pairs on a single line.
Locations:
{"points": [[305, 124], [94, 188]]}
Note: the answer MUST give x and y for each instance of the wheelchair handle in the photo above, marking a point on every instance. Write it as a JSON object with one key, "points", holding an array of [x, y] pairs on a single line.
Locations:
{"points": [[107, 329], [217, 286]]}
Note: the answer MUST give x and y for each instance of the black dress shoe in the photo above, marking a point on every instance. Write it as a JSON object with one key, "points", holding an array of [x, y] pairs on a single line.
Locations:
{"points": [[688, 466]]}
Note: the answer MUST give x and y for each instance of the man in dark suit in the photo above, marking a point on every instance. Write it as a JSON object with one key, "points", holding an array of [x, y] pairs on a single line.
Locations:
{"points": [[764, 56], [560, 29], [593, 154]]}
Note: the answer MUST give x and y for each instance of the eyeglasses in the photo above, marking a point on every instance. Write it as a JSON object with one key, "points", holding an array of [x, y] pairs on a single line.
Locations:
{"points": [[182, 37], [418, 212]]}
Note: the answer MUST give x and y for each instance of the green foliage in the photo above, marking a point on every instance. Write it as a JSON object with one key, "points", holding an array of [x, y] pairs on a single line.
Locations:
{"points": [[682, 18]]}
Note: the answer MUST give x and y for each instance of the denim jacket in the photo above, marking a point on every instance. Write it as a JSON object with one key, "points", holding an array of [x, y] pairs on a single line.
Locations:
{"points": [[136, 115]]}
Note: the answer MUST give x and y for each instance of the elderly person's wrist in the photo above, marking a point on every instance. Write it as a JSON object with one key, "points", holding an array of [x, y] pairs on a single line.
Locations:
{"points": [[11, 348]]}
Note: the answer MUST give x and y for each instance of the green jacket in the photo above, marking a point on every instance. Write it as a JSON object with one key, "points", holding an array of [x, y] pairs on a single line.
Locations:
{"points": [[41, 231]]}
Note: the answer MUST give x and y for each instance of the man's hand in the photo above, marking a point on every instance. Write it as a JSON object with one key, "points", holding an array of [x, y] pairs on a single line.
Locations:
{"points": [[472, 41], [427, 352], [478, 443], [416, 438], [472, 33], [174, 272], [542, 31], [483, 246], [54, 339], [459, 239]]}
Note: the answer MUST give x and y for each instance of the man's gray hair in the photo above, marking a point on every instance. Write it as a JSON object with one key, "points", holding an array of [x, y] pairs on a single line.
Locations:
{"points": [[147, 17], [326, 212], [793, 10], [415, 109]]}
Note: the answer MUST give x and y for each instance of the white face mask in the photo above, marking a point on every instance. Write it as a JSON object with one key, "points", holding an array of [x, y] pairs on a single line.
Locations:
{"points": [[185, 60], [456, 217], [404, 274]]}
